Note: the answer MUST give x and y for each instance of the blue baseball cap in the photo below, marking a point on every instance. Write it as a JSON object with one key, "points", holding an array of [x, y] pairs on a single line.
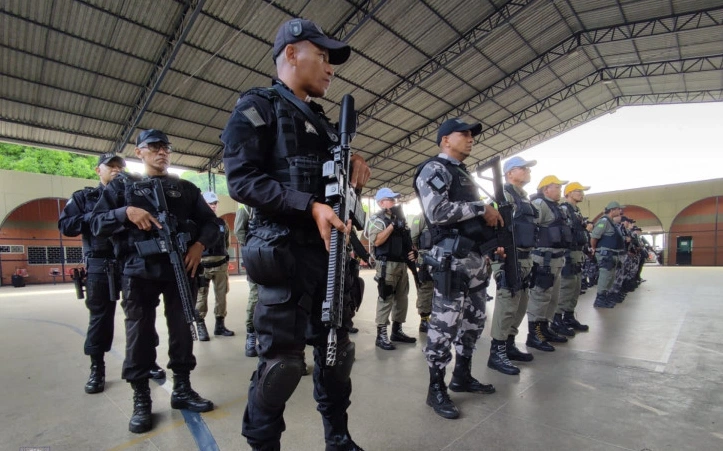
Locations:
{"points": [[296, 30], [386, 193], [210, 197], [457, 125], [517, 162], [151, 136]]}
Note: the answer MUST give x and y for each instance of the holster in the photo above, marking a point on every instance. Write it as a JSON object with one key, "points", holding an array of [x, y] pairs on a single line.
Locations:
{"points": [[569, 269], [442, 274], [105, 266], [384, 290], [544, 278]]}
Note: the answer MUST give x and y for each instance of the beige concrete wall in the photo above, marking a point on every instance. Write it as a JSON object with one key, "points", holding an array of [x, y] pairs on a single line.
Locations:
{"points": [[17, 188], [664, 201]]}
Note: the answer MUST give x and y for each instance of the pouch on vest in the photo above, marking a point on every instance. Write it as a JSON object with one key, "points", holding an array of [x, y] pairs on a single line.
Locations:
{"points": [[305, 174], [267, 255], [525, 234]]}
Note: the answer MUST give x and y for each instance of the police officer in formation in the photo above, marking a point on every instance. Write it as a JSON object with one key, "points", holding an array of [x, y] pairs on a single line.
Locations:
{"points": [[240, 229], [607, 243], [215, 270], [565, 322], [455, 215], [125, 214], [511, 306], [548, 258], [101, 268], [425, 292], [388, 232], [276, 142]]}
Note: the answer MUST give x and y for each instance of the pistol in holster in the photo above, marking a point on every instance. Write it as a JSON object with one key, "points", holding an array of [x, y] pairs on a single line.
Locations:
{"points": [[384, 290], [79, 276], [442, 272]]}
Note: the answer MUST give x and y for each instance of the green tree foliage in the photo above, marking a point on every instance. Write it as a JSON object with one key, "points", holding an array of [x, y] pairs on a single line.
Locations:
{"points": [[15, 157], [201, 180]]}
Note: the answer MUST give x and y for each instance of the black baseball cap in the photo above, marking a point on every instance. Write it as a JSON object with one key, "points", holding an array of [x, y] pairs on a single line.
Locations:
{"points": [[108, 157], [296, 30], [457, 125], [151, 136]]}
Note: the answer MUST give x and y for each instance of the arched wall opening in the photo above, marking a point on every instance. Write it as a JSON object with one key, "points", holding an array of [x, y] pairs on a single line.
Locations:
{"points": [[698, 227]]}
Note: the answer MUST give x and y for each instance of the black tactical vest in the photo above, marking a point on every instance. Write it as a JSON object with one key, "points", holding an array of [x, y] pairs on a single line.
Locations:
{"points": [[393, 247], [524, 218], [579, 237], [94, 247], [462, 189], [557, 234], [614, 241], [300, 150], [219, 248]]}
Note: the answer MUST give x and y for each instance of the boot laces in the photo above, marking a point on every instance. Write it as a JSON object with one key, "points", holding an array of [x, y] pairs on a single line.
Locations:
{"points": [[383, 334], [251, 340], [502, 354]]}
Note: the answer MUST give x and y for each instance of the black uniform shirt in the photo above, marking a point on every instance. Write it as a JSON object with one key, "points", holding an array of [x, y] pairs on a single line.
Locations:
{"points": [[75, 220], [250, 158], [109, 219]]}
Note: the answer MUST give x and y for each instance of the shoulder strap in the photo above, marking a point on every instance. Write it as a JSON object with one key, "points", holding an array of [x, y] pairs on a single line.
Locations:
{"points": [[301, 106]]}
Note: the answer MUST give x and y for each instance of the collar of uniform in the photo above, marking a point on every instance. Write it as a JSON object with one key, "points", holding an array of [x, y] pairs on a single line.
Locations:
{"points": [[447, 157], [549, 200], [519, 190], [315, 107]]}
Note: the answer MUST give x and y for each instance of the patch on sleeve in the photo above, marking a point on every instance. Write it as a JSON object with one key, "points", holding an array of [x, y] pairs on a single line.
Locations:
{"points": [[437, 183], [601, 225], [253, 116]]}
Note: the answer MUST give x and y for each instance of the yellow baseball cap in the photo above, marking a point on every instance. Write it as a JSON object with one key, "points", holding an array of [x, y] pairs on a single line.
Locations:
{"points": [[575, 186], [549, 180]]}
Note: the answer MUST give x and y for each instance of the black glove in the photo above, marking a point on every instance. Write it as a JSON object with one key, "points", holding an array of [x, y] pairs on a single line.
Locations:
{"points": [[399, 224]]}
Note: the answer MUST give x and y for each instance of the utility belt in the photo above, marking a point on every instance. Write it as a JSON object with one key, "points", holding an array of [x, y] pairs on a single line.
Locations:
{"points": [[523, 255], [605, 252], [575, 247], [550, 253], [214, 264]]}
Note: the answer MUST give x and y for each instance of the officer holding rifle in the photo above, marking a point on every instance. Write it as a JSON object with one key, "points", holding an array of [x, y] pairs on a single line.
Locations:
{"points": [[151, 222]]}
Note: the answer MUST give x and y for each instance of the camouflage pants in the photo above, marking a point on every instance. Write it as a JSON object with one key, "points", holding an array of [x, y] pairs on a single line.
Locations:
{"points": [[590, 272], [543, 302], [217, 276], [510, 310], [251, 306], [623, 266], [459, 317], [570, 285]]}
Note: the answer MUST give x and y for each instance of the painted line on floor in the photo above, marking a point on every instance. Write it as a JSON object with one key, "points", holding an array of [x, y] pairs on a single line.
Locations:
{"points": [[717, 435], [646, 407], [671, 343], [199, 429], [589, 387], [702, 348]]}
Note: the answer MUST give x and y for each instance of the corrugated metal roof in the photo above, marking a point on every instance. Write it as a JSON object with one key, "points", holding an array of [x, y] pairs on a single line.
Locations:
{"points": [[72, 72]]}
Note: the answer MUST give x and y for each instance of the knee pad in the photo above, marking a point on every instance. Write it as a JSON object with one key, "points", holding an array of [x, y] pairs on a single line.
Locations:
{"points": [[279, 380]]}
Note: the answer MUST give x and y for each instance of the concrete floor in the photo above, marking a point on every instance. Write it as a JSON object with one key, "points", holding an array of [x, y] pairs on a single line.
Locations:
{"points": [[648, 376]]}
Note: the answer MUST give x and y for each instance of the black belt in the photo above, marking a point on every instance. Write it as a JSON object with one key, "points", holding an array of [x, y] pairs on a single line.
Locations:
{"points": [[605, 252], [552, 254], [99, 265], [214, 264]]}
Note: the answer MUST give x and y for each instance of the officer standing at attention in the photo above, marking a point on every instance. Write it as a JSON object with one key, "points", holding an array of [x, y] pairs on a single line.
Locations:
{"points": [[607, 244], [548, 258], [240, 229], [454, 213], [276, 142], [215, 270], [100, 266], [425, 292], [387, 232], [510, 308], [122, 214], [571, 281]]}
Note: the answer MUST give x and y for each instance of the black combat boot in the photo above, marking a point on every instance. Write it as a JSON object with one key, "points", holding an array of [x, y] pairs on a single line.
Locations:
{"points": [[183, 396], [141, 418], [96, 380], [601, 301], [570, 321], [251, 343], [615, 296], [514, 353], [462, 380], [274, 446], [536, 339], [342, 443], [498, 358], [157, 372], [550, 335], [437, 396], [399, 335], [383, 340], [202, 330], [220, 328], [424, 323], [559, 326]]}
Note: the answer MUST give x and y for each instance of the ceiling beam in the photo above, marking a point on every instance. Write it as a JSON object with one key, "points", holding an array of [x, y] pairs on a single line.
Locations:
{"points": [[183, 26], [659, 26]]}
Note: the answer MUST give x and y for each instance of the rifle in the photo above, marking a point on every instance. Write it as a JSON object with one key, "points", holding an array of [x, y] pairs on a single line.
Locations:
{"points": [[407, 245], [79, 276], [345, 203], [169, 241], [509, 277]]}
